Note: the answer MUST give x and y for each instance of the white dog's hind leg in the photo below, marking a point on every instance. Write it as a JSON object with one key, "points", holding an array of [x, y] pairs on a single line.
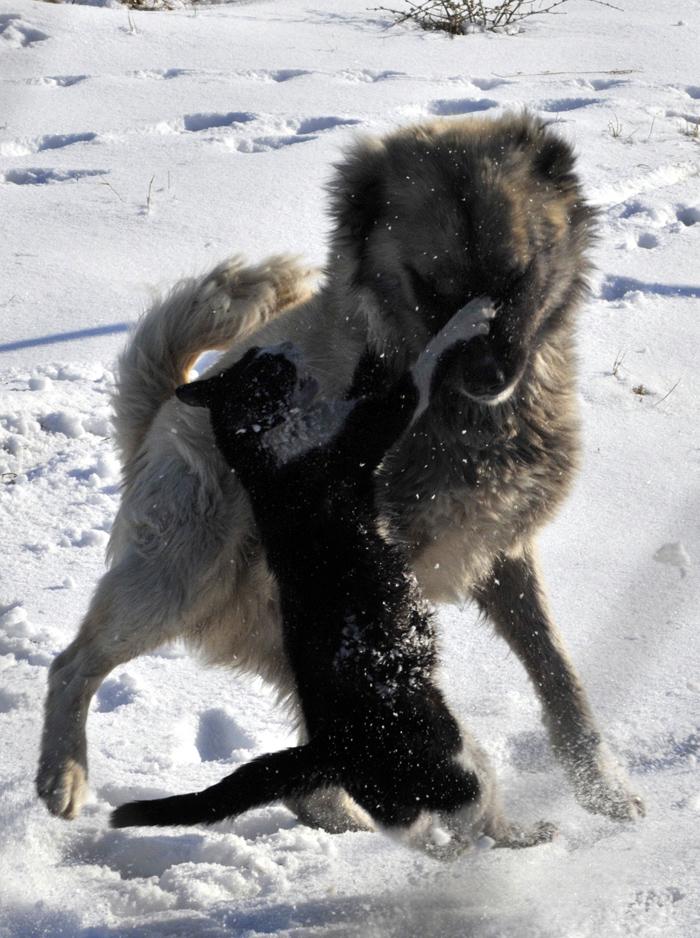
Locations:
{"points": [[128, 615], [331, 809]]}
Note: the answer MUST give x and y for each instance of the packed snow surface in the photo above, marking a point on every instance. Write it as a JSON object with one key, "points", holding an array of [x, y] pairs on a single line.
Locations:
{"points": [[136, 148]]}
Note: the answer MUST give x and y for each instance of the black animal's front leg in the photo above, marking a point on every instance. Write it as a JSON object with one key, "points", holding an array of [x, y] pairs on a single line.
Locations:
{"points": [[375, 424], [514, 600]]}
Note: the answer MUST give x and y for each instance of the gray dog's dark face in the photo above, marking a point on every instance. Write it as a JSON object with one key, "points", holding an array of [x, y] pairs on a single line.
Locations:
{"points": [[440, 214]]}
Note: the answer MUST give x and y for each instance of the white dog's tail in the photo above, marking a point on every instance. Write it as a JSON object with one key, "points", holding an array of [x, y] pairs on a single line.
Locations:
{"points": [[197, 315]]}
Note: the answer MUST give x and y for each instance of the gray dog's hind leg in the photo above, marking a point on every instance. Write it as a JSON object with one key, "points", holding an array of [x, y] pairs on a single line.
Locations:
{"points": [[515, 602], [130, 613]]}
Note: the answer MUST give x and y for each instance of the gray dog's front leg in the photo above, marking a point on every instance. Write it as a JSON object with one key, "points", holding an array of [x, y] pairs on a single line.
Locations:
{"points": [[515, 602]]}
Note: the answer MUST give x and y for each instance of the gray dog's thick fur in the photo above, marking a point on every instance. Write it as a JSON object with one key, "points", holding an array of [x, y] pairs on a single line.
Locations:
{"points": [[425, 219]]}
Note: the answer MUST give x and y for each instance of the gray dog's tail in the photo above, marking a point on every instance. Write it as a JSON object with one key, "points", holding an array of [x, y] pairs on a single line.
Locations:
{"points": [[197, 315]]}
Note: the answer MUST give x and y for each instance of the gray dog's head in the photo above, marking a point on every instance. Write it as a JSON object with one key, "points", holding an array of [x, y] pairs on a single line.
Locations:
{"points": [[435, 215]]}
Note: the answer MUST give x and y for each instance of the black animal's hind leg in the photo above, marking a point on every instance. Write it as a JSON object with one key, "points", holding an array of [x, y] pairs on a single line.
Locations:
{"points": [[514, 600], [272, 777]]}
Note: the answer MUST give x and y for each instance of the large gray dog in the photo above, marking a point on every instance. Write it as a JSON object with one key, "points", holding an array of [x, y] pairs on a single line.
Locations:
{"points": [[425, 219]]}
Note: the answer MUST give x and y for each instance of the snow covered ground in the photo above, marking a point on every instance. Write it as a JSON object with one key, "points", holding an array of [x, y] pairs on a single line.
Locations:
{"points": [[135, 148]]}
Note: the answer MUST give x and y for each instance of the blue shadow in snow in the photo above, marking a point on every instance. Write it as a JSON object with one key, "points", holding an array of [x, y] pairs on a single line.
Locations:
{"points": [[114, 329], [615, 288]]}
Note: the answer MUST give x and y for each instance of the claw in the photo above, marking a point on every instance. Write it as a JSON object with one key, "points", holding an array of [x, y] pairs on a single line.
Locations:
{"points": [[63, 790]]}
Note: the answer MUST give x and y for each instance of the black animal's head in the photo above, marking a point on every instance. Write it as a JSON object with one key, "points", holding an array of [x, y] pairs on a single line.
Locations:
{"points": [[435, 215], [254, 394]]}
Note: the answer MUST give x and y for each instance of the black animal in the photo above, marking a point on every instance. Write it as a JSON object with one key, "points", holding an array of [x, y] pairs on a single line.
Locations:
{"points": [[358, 636]]}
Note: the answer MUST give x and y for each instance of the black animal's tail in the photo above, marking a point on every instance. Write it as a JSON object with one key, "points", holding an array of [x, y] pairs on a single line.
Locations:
{"points": [[275, 776]]}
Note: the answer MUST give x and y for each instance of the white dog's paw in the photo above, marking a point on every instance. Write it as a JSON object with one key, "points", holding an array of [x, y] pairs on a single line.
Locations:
{"points": [[62, 787]]}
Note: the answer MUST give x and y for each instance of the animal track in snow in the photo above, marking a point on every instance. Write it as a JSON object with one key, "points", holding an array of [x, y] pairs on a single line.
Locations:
{"points": [[652, 180], [312, 125], [47, 142], [601, 84], [447, 107], [251, 74], [688, 215], [663, 216], [218, 735], [265, 144], [58, 141], [115, 693], [615, 288], [40, 177], [286, 74], [304, 130], [556, 105], [634, 207], [487, 84], [10, 700], [647, 240], [17, 33], [162, 74], [369, 75], [687, 116], [692, 91], [198, 122], [57, 81]]}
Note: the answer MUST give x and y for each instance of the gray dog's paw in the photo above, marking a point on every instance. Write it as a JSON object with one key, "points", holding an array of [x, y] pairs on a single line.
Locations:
{"points": [[612, 799], [62, 787], [514, 836]]}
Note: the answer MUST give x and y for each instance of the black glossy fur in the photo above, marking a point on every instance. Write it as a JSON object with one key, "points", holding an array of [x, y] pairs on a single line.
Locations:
{"points": [[359, 638]]}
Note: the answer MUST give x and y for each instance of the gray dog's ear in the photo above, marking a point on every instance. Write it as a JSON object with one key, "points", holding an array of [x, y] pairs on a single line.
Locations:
{"points": [[554, 158], [356, 193], [197, 393]]}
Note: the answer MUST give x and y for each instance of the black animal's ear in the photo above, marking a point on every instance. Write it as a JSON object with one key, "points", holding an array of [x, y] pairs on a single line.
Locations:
{"points": [[197, 393]]}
